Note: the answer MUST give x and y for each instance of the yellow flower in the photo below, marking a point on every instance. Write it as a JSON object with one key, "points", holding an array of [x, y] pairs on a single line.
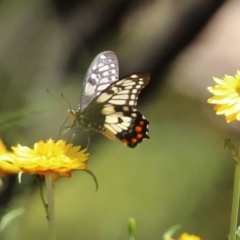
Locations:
{"points": [[226, 97], [7, 164], [186, 236], [57, 159]]}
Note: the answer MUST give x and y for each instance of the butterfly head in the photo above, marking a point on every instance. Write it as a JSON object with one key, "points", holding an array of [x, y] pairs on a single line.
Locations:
{"points": [[81, 120], [73, 116]]}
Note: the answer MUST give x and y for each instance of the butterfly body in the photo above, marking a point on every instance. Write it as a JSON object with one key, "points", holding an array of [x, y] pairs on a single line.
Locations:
{"points": [[108, 104]]}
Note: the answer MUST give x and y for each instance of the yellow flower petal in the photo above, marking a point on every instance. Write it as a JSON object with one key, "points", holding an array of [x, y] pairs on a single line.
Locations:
{"points": [[3, 149], [8, 168], [57, 159], [186, 236], [7, 163], [226, 97]]}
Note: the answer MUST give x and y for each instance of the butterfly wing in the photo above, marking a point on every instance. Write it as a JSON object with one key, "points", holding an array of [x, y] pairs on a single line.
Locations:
{"points": [[102, 72], [113, 112]]}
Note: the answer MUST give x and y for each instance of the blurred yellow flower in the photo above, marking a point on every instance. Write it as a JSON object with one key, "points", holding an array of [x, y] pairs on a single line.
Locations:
{"points": [[186, 236], [7, 164], [226, 97], [57, 159]]}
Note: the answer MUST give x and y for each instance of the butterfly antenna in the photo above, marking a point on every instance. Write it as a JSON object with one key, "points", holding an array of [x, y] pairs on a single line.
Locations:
{"points": [[61, 132], [48, 91], [66, 101], [62, 96]]}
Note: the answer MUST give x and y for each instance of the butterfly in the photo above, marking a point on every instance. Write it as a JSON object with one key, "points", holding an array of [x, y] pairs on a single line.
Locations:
{"points": [[108, 104]]}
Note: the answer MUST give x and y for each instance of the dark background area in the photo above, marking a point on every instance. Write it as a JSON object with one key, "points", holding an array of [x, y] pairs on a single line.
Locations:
{"points": [[182, 174]]}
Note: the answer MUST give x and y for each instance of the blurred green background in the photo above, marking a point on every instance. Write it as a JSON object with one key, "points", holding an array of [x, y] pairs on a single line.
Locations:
{"points": [[182, 174]]}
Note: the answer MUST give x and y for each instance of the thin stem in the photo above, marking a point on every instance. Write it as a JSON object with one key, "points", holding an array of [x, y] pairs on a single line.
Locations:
{"points": [[131, 237], [50, 207], [131, 228], [235, 202], [39, 183]]}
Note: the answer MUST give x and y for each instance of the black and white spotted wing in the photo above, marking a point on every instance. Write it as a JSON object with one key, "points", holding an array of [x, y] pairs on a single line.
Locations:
{"points": [[108, 105], [102, 72]]}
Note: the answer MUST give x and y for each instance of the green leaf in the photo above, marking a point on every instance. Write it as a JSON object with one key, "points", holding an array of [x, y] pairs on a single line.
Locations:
{"points": [[169, 233], [9, 217]]}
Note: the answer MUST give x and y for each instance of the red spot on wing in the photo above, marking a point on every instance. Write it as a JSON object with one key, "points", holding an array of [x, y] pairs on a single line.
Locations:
{"points": [[134, 141], [124, 141], [137, 131], [139, 136]]}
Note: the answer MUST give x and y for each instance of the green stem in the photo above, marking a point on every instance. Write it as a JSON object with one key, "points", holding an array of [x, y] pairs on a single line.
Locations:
{"points": [[131, 237], [50, 207], [41, 194], [131, 228], [235, 202]]}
